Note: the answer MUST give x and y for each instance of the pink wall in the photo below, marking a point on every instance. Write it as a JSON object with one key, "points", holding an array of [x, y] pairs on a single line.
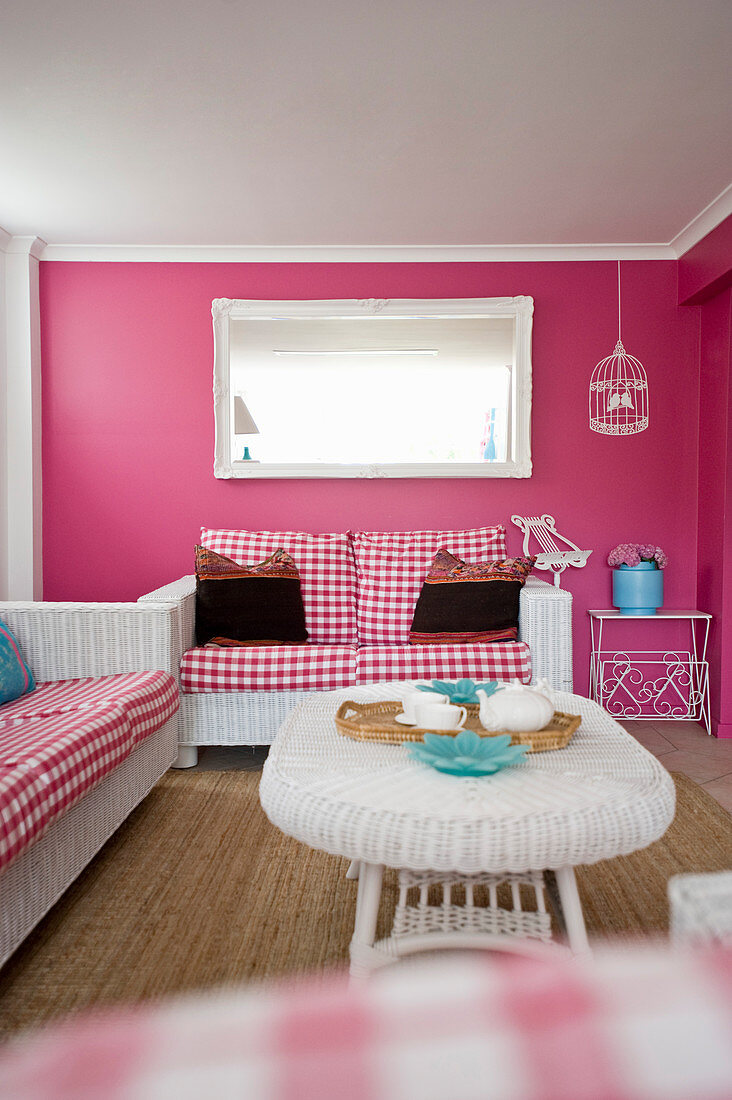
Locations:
{"points": [[128, 422], [715, 498], [705, 275], [706, 269]]}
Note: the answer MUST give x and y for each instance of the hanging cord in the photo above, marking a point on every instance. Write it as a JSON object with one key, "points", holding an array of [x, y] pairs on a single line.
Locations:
{"points": [[619, 335]]}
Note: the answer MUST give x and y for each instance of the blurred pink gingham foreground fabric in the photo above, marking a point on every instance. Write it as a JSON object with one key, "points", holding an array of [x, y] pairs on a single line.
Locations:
{"points": [[641, 1023]]}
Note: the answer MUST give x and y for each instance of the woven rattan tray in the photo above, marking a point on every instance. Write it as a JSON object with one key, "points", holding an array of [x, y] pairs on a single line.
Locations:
{"points": [[375, 722]]}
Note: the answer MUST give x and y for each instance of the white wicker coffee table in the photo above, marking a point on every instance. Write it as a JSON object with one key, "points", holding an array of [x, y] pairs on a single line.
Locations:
{"points": [[462, 838]]}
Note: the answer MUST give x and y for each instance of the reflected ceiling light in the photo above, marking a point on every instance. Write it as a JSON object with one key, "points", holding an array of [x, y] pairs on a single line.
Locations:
{"points": [[362, 351]]}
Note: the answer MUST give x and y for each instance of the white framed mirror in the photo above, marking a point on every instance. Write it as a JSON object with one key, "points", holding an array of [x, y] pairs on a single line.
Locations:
{"points": [[372, 388]]}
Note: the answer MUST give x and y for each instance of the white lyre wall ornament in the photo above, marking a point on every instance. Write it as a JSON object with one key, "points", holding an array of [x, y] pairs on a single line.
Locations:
{"points": [[551, 556], [619, 391]]}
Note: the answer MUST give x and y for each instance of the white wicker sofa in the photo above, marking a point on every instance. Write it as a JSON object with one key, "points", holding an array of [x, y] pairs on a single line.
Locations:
{"points": [[359, 591], [82, 750]]}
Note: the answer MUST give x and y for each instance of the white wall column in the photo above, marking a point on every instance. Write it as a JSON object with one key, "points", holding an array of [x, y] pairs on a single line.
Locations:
{"points": [[4, 242], [22, 473]]}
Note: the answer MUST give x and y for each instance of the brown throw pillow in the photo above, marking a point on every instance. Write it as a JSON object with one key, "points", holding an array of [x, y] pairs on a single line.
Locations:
{"points": [[248, 604], [462, 602]]}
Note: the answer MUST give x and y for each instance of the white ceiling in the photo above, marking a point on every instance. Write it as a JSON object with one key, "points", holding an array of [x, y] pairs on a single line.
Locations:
{"points": [[345, 123]]}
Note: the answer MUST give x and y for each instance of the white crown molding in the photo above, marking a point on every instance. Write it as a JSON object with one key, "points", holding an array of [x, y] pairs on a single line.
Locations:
{"points": [[704, 222], [699, 226], [356, 254], [5, 239], [26, 246]]}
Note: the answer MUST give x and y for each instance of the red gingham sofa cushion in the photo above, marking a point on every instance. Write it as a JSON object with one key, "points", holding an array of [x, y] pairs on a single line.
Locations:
{"points": [[148, 699], [500, 661], [391, 568], [324, 668], [23, 813], [327, 574], [268, 668], [47, 764]]}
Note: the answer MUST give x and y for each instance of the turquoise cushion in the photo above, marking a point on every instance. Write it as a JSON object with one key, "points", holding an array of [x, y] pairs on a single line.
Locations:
{"points": [[15, 676]]}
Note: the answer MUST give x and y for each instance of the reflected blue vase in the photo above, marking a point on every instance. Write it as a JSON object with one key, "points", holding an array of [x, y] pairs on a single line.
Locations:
{"points": [[638, 589]]}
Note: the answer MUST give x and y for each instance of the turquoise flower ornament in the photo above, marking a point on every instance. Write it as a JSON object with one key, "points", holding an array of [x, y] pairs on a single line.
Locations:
{"points": [[462, 691], [468, 753]]}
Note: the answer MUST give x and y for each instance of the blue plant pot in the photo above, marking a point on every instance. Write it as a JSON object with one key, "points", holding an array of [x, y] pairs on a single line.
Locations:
{"points": [[638, 589]]}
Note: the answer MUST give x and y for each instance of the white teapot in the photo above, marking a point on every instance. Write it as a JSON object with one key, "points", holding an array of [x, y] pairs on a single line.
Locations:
{"points": [[517, 708]]}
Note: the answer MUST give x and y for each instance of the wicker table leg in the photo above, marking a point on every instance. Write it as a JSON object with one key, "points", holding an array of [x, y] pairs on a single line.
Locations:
{"points": [[572, 911], [367, 907]]}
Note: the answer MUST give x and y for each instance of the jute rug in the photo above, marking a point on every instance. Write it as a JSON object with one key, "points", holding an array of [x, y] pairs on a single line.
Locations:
{"points": [[197, 889]]}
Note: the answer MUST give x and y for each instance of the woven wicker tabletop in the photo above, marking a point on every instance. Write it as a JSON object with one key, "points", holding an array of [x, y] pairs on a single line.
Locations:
{"points": [[601, 796]]}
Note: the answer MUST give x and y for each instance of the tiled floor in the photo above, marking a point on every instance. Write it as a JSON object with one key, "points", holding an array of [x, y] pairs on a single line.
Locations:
{"points": [[686, 747], [681, 746]]}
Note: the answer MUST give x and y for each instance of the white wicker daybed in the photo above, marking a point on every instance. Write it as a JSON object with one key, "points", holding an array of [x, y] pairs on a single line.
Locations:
{"points": [[66, 642]]}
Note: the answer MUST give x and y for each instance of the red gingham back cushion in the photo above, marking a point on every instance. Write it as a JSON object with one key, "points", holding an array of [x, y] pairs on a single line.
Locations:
{"points": [[327, 574], [391, 567]]}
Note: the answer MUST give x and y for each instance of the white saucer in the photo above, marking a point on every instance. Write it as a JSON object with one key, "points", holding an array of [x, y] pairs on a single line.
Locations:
{"points": [[403, 720]]}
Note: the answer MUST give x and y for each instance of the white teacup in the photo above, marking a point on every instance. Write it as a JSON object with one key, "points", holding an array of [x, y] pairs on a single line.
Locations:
{"points": [[431, 716], [413, 699]]}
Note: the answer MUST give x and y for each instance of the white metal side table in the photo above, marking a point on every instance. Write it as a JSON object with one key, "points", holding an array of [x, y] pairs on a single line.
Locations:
{"points": [[657, 684]]}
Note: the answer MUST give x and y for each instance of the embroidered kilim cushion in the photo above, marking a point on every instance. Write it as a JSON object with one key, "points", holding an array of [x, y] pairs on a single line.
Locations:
{"points": [[462, 602], [248, 604]]}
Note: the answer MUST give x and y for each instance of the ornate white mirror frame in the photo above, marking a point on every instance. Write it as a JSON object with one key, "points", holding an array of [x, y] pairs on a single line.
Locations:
{"points": [[226, 312]]}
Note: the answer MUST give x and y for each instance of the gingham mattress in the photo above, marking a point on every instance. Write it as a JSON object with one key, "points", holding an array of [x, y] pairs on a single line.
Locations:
{"points": [[327, 667], [59, 741]]}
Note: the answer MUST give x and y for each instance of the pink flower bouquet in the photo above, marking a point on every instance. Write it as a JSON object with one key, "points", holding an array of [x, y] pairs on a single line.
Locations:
{"points": [[633, 553]]}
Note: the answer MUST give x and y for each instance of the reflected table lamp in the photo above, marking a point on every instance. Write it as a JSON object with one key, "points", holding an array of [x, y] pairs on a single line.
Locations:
{"points": [[244, 425]]}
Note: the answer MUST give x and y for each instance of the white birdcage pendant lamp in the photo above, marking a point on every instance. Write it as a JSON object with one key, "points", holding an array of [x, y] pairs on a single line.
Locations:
{"points": [[619, 391]]}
